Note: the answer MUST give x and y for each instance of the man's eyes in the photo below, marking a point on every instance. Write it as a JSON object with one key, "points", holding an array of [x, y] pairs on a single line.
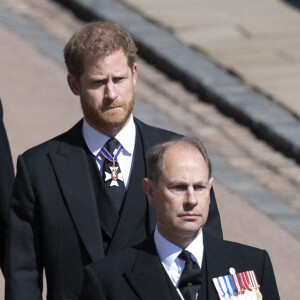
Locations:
{"points": [[105, 81], [118, 79], [199, 187], [101, 82], [179, 187], [182, 187]]}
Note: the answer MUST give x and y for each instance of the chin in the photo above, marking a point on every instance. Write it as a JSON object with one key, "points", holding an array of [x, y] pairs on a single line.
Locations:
{"points": [[110, 120], [191, 228], [115, 123], [117, 117]]}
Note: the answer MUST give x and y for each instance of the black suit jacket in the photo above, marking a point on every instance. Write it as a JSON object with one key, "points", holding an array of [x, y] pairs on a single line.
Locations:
{"points": [[55, 222], [6, 183], [137, 273]]}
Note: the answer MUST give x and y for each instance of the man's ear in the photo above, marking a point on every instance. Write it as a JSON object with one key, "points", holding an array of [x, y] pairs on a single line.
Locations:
{"points": [[134, 73], [211, 180], [148, 187], [73, 84]]}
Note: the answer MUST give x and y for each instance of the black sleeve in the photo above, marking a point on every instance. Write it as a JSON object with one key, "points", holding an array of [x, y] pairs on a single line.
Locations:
{"points": [[268, 286], [6, 183], [24, 273], [213, 224]]}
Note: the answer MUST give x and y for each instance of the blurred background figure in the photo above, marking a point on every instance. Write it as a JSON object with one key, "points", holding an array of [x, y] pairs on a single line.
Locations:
{"points": [[6, 182]]}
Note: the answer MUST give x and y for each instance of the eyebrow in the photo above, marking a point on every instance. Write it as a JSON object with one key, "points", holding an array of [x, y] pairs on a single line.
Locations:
{"points": [[180, 181]]}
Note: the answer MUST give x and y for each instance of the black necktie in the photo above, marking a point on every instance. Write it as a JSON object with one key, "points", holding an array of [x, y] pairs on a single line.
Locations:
{"points": [[110, 207], [191, 277]]}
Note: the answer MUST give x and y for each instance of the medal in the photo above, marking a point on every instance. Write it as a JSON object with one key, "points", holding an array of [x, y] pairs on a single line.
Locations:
{"points": [[225, 287], [114, 176], [257, 293], [254, 286], [241, 286]]}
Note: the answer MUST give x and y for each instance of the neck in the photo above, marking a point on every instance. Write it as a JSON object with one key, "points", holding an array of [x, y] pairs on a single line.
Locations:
{"points": [[110, 131], [182, 240]]}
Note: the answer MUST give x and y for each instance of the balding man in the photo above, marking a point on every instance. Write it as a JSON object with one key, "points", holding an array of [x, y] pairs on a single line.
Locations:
{"points": [[181, 260]]}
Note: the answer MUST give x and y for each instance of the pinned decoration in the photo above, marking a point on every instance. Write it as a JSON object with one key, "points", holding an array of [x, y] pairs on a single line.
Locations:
{"points": [[242, 286], [114, 176]]}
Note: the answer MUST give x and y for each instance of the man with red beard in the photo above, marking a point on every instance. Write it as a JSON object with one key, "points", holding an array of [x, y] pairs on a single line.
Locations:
{"points": [[79, 196]]}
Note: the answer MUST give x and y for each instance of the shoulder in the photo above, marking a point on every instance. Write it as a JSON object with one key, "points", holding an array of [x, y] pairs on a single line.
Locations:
{"points": [[153, 129], [153, 135], [243, 250], [1, 111], [52, 145], [235, 251], [247, 258]]}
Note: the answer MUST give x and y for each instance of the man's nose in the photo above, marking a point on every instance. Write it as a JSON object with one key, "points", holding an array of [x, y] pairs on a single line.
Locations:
{"points": [[191, 196], [110, 91]]}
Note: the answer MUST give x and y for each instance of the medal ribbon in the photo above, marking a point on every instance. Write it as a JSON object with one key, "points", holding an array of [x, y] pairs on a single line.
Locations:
{"points": [[246, 280], [236, 283], [253, 279], [241, 285], [108, 156], [226, 286], [219, 288], [230, 285], [241, 282], [250, 279]]}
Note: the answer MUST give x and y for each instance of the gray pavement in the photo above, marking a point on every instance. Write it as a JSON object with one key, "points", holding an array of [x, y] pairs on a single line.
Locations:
{"points": [[38, 105]]}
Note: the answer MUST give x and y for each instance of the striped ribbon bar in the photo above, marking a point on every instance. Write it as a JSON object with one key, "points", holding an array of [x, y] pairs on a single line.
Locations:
{"points": [[242, 286]]}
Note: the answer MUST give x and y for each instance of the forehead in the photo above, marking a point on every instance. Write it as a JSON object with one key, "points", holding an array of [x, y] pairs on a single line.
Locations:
{"points": [[116, 59], [182, 159]]}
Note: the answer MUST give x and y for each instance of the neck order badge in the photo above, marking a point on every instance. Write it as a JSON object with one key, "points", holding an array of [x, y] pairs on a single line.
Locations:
{"points": [[114, 176], [110, 206]]}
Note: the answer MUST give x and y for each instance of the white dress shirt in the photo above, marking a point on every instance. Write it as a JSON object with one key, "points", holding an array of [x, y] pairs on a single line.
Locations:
{"points": [[168, 254], [95, 140]]}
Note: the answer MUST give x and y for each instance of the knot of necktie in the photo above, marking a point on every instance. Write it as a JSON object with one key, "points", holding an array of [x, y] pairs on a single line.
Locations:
{"points": [[111, 145]]}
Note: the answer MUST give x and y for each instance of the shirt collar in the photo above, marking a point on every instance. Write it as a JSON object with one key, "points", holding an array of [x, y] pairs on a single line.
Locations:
{"points": [[95, 140], [168, 252], [196, 248]]}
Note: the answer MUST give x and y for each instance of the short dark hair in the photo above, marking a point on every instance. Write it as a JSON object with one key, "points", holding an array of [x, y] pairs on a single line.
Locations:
{"points": [[97, 38], [156, 153]]}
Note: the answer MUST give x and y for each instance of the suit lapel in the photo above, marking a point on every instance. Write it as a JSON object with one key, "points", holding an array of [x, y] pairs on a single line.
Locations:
{"points": [[71, 168], [149, 280], [147, 277], [218, 262]]}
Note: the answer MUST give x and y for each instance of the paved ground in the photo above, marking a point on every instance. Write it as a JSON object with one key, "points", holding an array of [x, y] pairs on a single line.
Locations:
{"points": [[249, 173], [257, 40]]}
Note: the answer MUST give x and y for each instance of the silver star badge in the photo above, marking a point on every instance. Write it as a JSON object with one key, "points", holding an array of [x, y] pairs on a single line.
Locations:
{"points": [[114, 176]]}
